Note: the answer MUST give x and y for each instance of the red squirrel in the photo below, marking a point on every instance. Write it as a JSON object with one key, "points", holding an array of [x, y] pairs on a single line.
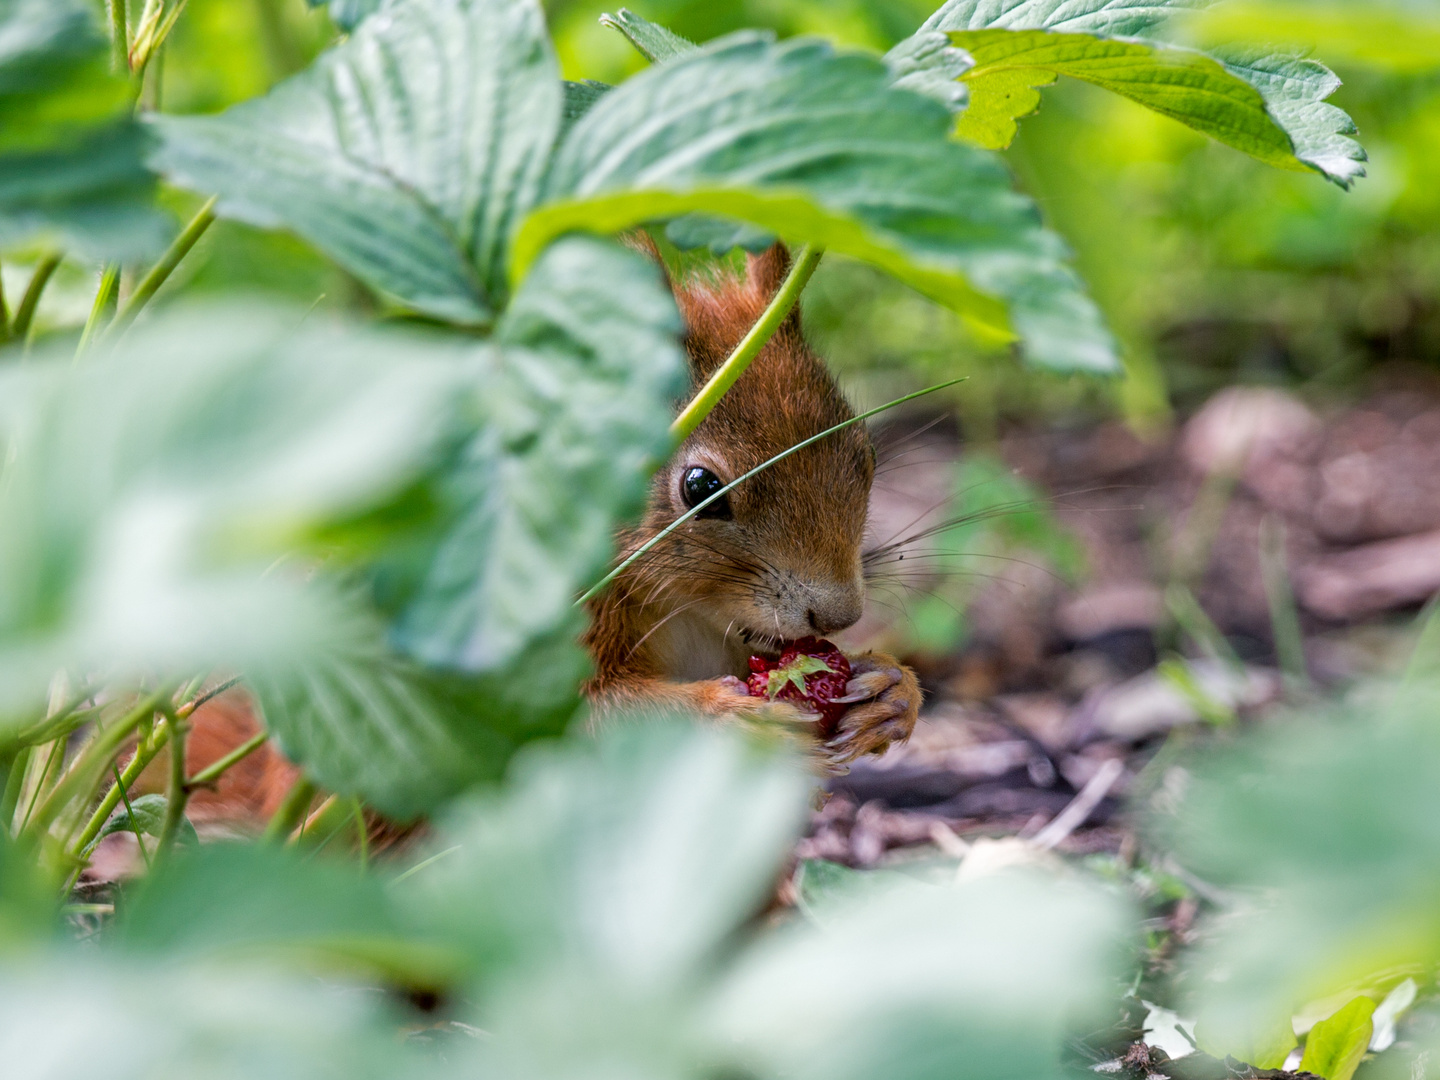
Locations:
{"points": [[778, 559]]}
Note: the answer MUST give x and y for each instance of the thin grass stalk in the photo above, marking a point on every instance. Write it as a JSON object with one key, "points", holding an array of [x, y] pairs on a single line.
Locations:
{"points": [[596, 589], [144, 754], [750, 345], [30, 299], [123, 788]]}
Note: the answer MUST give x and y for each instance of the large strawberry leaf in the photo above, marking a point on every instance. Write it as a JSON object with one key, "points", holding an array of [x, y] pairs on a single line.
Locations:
{"points": [[1062, 16], [574, 402], [407, 153], [72, 170], [819, 147], [1271, 106]]}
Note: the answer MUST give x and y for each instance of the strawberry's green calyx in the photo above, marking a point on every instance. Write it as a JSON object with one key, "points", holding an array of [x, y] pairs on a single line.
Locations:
{"points": [[793, 674]]}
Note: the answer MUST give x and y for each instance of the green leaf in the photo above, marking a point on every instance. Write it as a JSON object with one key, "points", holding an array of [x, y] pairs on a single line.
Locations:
{"points": [[1269, 105], [817, 147], [907, 979], [1322, 824], [348, 14], [1295, 88], [229, 898], [631, 861], [574, 402], [793, 674], [148, 817], [655, 43], [927, 63], [1118, 17], [1335, 1045], [28, 912], [407, 153], [62, 1011], [150, 490], [1263, 1039], [579, 96], [365, 721], [72, 170]]}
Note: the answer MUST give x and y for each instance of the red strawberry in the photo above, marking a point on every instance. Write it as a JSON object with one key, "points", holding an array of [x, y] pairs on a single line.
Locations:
{"points": [[809, 673]]}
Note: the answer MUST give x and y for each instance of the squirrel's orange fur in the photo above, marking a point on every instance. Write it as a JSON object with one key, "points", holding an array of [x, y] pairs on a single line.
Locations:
{"points": [[675, 631]]}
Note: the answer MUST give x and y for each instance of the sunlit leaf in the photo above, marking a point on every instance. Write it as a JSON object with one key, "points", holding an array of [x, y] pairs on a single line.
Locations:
{"points": [[817, 147], [348, 14], [655, 43], [407, 153], [1335, 1045], [1127, 17]]}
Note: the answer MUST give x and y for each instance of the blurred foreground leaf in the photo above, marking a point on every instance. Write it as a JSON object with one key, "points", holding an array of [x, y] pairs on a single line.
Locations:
{"points": [[1328, 830], [72, 170], [149, 490]]}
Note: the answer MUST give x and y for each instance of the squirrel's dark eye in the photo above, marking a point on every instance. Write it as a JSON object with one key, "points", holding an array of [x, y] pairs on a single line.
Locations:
{"points": [[699, 484]]}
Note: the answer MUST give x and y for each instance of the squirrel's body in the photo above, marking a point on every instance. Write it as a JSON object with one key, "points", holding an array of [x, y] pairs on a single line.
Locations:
{"points": [[781, 560], [674, 633]]}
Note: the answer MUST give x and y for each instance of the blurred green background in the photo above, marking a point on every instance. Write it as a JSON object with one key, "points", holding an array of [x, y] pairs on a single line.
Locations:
{"points": [[1211, 267]]}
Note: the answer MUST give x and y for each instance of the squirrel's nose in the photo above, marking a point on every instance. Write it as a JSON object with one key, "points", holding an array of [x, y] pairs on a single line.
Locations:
{"points": [[834, 613]]}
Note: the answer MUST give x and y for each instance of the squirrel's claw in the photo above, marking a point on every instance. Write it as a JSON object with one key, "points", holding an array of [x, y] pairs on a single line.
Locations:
{"points": [[887, 704]]}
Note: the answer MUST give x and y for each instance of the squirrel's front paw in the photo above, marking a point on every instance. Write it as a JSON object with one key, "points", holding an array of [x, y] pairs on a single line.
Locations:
{"points": [[729, 696], [887, 704]]}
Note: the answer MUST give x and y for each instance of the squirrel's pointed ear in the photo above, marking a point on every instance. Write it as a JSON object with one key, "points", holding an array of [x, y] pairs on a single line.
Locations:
{"points": [[766, 272]]}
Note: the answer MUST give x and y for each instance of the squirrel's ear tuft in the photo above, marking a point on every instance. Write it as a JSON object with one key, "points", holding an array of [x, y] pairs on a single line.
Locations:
{"points": [[766, 272], [641, 241]]}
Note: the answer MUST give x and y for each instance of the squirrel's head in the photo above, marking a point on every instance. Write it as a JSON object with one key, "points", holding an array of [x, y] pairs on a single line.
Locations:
{"points": [[779, 557]]}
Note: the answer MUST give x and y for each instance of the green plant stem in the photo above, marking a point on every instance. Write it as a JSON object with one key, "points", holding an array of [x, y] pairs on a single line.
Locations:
{"points": [[595, 589], [176, 793], [103, 307], [1284, 617], [119, 36], [179, 248], [362, 832], [91, 761], [215, 770], [750, 345], [57, 750], [144, 754], [30, 300], [14, 781], [4, 310], [121, 786], [291, 811]]}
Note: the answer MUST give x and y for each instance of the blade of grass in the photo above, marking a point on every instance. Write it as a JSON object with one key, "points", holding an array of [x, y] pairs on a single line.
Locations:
{"points": [[216, 769], [176, 793], [121, 786], [595, 589]]}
